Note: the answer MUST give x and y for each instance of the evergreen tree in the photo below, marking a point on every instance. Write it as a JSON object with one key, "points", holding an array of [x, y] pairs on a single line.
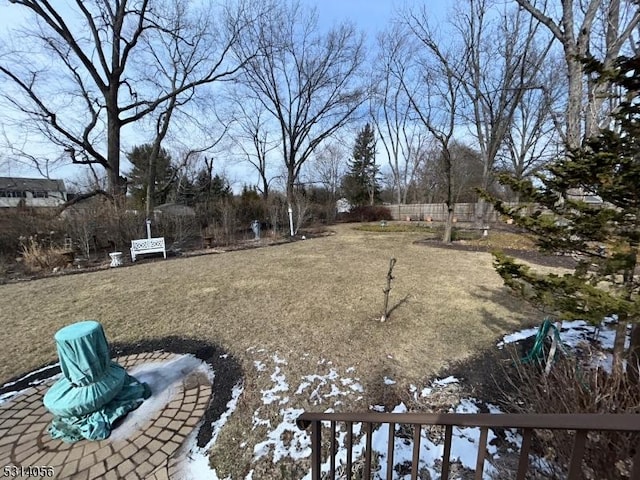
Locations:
{"points": [[604, 237], [211, 188], [138, 176], [361, 185]]}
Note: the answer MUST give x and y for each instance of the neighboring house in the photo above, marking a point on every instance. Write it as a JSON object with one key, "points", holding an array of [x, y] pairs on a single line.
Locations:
{"points": [[581, 194], [31, 192], [174, 209]]}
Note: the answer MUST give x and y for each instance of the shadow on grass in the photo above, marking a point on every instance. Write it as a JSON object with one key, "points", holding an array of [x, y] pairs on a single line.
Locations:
{"points": [[506, 300], [398, 304]]}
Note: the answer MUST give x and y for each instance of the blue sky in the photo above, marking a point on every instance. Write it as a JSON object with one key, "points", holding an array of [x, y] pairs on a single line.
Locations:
{"points": [[370, 16]]}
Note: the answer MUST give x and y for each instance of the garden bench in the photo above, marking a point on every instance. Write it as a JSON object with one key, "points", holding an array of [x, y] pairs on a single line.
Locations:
{"points": [[147, 245]]}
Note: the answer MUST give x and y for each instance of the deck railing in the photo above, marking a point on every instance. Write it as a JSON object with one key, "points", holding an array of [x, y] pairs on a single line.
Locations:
{"points": [[582, 424]]}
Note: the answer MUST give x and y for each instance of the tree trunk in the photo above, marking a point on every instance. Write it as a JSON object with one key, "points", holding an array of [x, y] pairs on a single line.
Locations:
{"points": [[117, 184], [574, 103], [448, 227], [265, 186], [633, 361], [480, 213], [618, 345], [151, 185]]}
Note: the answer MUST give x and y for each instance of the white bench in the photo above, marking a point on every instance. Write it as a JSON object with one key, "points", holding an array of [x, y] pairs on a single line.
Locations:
{"points": [[147, 245]]}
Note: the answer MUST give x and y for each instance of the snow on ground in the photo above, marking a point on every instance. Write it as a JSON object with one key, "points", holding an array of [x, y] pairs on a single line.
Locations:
{"points": [[573, 333], [195, 465], [164, 380], [31, 383], [275, 419], [464, 447], [284, 440], [578, 333]]}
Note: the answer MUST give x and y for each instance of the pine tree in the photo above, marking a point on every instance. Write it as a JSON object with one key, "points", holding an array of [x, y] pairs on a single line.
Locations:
{"points": [[604, 238], [138, 176], [360, 185], [211, 188]]}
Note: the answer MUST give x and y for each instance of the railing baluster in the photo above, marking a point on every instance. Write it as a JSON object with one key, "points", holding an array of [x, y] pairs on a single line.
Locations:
{"points": [[635, 469], [390, 446], [581, 424], [523, 462], [482, 450], [349, 448], [332, 452], [417, 429], [367, 453], [316, 444], [448, 430], [575, 468]]}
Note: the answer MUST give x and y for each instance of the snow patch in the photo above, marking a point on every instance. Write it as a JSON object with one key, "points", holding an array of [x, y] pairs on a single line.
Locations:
{"points": [[297, 444], [196, 463], [165, 381]]}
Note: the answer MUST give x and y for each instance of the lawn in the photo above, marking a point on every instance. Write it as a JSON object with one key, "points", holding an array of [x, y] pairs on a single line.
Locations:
{"points": [[304, 307]]}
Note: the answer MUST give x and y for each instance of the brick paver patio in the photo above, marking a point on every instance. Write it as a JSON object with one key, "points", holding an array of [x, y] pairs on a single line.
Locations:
{"points": [[151, 452]]}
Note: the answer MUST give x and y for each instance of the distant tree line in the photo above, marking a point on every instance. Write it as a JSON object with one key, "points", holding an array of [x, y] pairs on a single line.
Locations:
{"points": [[494, 87]]}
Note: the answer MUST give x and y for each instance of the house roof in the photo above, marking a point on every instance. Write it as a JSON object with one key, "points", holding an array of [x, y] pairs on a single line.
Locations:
{"points": [[175, 209], [32, 184]]}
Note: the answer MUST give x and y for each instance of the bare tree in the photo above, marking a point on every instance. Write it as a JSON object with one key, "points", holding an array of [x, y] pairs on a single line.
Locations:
{"points": [[254, 138], [307, 80], [532, 139], [328, 166], [434, 90], [81, 87], [401, 136], [572, 23], [501, 63]]}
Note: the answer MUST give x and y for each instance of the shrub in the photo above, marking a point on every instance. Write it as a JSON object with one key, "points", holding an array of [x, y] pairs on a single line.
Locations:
{"points": [[17, 225], [178, 229], [576, 387], [458, 234], [367, 213], [5, 266], [37, 257], [97, 224]]}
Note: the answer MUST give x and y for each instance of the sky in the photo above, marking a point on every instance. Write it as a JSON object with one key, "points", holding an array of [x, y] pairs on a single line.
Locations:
{"points": [[370, 16]]}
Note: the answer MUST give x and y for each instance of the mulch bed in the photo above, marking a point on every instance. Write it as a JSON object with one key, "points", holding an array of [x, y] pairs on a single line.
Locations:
{"points": [[531, 256]]}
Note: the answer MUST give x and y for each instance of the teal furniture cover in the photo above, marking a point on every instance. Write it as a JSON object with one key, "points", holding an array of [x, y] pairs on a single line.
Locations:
{"points": [[94, 392]]}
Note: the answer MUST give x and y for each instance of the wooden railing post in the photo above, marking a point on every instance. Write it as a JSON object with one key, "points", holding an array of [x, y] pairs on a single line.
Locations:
{"points": [[523, 462], [575, 468], [316, 449]]}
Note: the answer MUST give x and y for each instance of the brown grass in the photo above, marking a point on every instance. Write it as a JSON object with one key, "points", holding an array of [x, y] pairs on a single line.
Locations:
{"points": [[499, 239], [313, 299], [37, 257]]}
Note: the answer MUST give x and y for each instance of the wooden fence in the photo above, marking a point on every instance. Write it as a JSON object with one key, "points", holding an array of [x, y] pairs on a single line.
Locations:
{"points": [[463, 212]]}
